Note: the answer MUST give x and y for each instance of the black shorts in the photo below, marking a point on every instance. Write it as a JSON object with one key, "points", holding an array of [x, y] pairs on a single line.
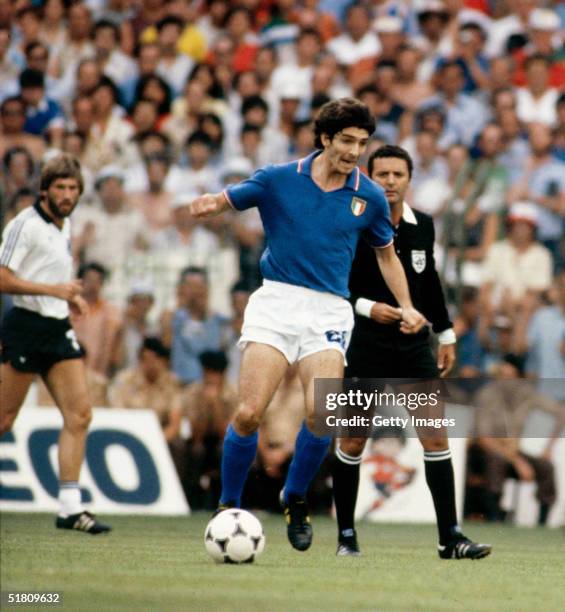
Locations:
{"points": [[373, 362], [370, 356], [34, 343]]}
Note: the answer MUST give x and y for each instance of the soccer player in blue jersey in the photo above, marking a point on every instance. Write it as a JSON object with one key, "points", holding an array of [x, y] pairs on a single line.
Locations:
{"points": [[313, 211]]}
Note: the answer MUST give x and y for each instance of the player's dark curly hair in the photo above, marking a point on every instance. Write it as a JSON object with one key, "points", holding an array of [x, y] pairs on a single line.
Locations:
{"points": [[63, 166], [387, 151], [337, 115]]}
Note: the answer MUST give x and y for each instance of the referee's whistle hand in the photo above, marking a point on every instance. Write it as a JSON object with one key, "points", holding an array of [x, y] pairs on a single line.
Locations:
{"points": [[204, 206], [445, 359], [385, 314], [412, 321]]}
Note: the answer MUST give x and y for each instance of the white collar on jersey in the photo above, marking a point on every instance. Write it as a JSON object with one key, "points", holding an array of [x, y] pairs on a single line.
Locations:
{"points": [[408, 214]]}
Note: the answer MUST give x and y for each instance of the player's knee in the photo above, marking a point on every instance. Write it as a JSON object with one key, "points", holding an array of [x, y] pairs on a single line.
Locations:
{"points": [[352, 446], [78, 419], [247, 419], [435, 444]]}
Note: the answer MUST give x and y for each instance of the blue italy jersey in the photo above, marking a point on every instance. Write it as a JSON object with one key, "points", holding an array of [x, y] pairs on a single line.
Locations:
{"points": [[312, 234]]}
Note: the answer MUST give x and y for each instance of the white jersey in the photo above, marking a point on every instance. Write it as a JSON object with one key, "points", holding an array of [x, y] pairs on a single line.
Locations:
{"points": [[36, 250]]}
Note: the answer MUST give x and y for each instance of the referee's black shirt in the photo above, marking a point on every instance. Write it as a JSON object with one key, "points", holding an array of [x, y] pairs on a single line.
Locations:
{"points": [[414, 245]]}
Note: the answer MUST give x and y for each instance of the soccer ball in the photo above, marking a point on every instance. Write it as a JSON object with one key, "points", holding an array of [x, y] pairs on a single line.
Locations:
{"points": [[234, 536]]}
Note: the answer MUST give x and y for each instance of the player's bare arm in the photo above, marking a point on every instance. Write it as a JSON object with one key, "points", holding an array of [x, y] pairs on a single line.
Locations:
{"points": [[69, 292], [209, 205], [12, 284], [393, 273]]}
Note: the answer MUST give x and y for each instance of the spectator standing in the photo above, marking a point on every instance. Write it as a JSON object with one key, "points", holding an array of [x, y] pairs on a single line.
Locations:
{"points": [[100, 329], [194, 328], [78, 44], [111, 233], [358, 42], [542, 181], [113, 62], [465, 116], [517, 265], [136, 325], [536, 102]]}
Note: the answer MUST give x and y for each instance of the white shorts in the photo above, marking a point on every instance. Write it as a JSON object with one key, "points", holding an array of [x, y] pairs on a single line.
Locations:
{"points": [[297, 321]]}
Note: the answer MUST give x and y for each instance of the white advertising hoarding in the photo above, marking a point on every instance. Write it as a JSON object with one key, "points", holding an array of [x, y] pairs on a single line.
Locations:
{"points": [[127, 468]]}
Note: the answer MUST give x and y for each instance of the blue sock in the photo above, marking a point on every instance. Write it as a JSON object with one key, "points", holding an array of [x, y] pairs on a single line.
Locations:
{"points": [[239, 452], [309, 452]]}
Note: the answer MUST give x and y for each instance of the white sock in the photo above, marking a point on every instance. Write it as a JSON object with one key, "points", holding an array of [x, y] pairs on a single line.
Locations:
{"points": [[69, 498], [345, 458]]}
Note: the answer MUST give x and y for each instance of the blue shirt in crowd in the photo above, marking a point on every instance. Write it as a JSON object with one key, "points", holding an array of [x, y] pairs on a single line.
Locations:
{"points": [[548, 179], [546, 334], [312, 234], [38, 118], [465, 118], [191, 338], [469, 83]]}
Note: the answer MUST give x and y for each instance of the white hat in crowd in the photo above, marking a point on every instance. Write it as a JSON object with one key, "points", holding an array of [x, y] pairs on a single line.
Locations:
{"points": [[430, 6], [523, 211], [107, 172], [388, 24], [544, 19], [290, 90], [141, 286], [237, 166]]}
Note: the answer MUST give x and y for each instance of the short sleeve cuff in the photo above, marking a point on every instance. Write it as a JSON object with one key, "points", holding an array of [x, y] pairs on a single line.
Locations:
{"points": [[229, 199], [383, 246]]}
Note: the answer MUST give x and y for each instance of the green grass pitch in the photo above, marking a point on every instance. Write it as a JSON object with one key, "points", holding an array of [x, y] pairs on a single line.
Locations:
{"points": [[154, 563]]}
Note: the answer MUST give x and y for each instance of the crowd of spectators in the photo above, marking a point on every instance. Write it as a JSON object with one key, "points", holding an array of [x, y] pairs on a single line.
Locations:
{"points": [[164, 99]]}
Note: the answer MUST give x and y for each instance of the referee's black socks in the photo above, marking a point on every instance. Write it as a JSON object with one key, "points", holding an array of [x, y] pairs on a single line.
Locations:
{"points": [[345, 488], [439, 476], [440, 479]]}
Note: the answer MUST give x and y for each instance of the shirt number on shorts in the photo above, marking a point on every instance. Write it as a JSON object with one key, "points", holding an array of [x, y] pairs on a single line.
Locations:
{"points": [[336, 336]]}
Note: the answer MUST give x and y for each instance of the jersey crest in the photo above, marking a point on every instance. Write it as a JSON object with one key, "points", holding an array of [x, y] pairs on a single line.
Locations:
{"points": [[419, 261], [358, 206]]}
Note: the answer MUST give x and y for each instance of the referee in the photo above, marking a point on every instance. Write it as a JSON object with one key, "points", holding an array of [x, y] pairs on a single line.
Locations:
{"points": [[379, 349], [36, 336]]}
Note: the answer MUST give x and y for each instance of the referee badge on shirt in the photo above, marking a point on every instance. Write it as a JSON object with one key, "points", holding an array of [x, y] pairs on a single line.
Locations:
{"points": [[419, 261], [358, 206]]}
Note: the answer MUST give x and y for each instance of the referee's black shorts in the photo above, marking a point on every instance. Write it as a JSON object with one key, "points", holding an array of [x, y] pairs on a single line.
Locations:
{"points": [[372, 356], [406, 363], [34, 343]]}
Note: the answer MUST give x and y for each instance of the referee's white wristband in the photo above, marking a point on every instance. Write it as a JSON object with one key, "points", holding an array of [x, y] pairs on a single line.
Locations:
{"points": [[447, 336], [363, 307]]}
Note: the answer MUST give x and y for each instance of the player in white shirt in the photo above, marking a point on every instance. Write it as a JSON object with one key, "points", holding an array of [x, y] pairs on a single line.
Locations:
{"points": [[36, 335]]}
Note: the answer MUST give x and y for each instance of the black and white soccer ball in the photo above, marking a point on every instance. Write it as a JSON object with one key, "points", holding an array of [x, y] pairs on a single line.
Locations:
{"points": [[234, 536]]}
